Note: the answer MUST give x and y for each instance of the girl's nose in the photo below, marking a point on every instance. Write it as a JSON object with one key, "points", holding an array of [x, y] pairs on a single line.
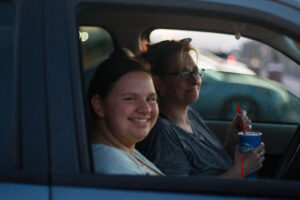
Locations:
{"points": [[144, 106]]}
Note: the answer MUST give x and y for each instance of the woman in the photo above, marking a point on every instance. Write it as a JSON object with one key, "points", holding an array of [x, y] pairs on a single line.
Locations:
{"points": [[123, 106], [180, 143]]}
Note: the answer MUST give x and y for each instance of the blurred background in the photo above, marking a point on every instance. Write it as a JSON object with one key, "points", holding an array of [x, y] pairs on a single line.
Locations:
{"points": [[237, 52]]}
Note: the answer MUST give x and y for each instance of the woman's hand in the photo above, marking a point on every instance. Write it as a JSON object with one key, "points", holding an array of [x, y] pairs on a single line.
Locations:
{"points": [[232, 139], [252, 160]]}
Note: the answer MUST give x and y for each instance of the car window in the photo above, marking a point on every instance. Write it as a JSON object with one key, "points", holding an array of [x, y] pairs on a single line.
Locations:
{"points": [[242, 71], [96, 45], [7, 37]]}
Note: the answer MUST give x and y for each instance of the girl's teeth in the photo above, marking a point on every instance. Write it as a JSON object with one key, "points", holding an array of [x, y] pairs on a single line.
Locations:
{"points": [[141, 120]]}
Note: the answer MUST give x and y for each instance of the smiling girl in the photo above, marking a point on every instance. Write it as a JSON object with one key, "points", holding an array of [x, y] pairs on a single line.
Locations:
{"points": [[123, 105]]}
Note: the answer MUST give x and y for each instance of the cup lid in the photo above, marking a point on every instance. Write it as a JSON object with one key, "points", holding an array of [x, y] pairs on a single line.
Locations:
{"points": [[250, 133]]}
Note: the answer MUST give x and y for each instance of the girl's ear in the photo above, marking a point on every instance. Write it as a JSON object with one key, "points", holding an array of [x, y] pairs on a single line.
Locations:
{"points": [[158, 84], [98, 105]]}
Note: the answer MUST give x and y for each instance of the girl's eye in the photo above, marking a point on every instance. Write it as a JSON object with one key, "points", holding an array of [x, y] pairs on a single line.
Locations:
{"points": [[151, 99], [129, 99]]}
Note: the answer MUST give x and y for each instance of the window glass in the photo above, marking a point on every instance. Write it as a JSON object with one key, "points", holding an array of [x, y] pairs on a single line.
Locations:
{"points": [[245, 72], [96, 45], [7, 36]]}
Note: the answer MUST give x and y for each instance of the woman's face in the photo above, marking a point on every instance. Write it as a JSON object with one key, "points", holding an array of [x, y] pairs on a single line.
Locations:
{"points": [[177, 91], [130, 108]]}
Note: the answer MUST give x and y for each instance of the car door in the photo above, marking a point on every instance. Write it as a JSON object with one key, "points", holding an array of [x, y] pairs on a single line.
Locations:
{"points": [[24, 160]]}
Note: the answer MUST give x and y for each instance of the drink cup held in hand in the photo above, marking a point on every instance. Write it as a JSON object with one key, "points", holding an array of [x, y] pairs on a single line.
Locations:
{"points": [[247, 142]]}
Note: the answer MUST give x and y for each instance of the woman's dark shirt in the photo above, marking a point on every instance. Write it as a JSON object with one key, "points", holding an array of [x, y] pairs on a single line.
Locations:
{"points": [[176, 152]]}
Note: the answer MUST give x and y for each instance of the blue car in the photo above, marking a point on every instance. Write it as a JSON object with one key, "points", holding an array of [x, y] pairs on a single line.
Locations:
{"points": [[47, 49]]}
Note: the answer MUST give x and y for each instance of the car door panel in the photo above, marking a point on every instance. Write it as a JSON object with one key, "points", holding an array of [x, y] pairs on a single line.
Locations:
{"points": [[24, 168], [77, 193], [18, 191]]}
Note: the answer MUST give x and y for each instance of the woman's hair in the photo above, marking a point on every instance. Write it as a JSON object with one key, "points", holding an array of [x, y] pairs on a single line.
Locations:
{"points": [[119, 63], [158, 54]]}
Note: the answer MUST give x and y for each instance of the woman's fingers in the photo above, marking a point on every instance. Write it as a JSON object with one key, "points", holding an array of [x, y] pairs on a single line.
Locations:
{"points": [[247, 122], [243, 116], [253, 159], [236, 121], [259, 148]]}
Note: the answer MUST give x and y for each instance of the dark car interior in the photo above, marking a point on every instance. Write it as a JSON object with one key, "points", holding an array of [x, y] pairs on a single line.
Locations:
{"points": [[288, 168]]}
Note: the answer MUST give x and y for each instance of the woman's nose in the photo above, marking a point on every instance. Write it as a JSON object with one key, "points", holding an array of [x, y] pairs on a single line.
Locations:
{"points": [[195, 79]]}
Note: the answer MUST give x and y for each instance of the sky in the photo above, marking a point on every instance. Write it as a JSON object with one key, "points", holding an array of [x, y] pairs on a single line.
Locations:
{"points": [[201, 40]]}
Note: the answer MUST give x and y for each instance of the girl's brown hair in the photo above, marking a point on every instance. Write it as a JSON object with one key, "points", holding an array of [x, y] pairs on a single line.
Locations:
{"points": [[110, 71]]}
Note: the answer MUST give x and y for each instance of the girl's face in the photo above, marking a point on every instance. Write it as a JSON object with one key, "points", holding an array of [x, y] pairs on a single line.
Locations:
{"points": [[130, 110], [176, 90]]}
